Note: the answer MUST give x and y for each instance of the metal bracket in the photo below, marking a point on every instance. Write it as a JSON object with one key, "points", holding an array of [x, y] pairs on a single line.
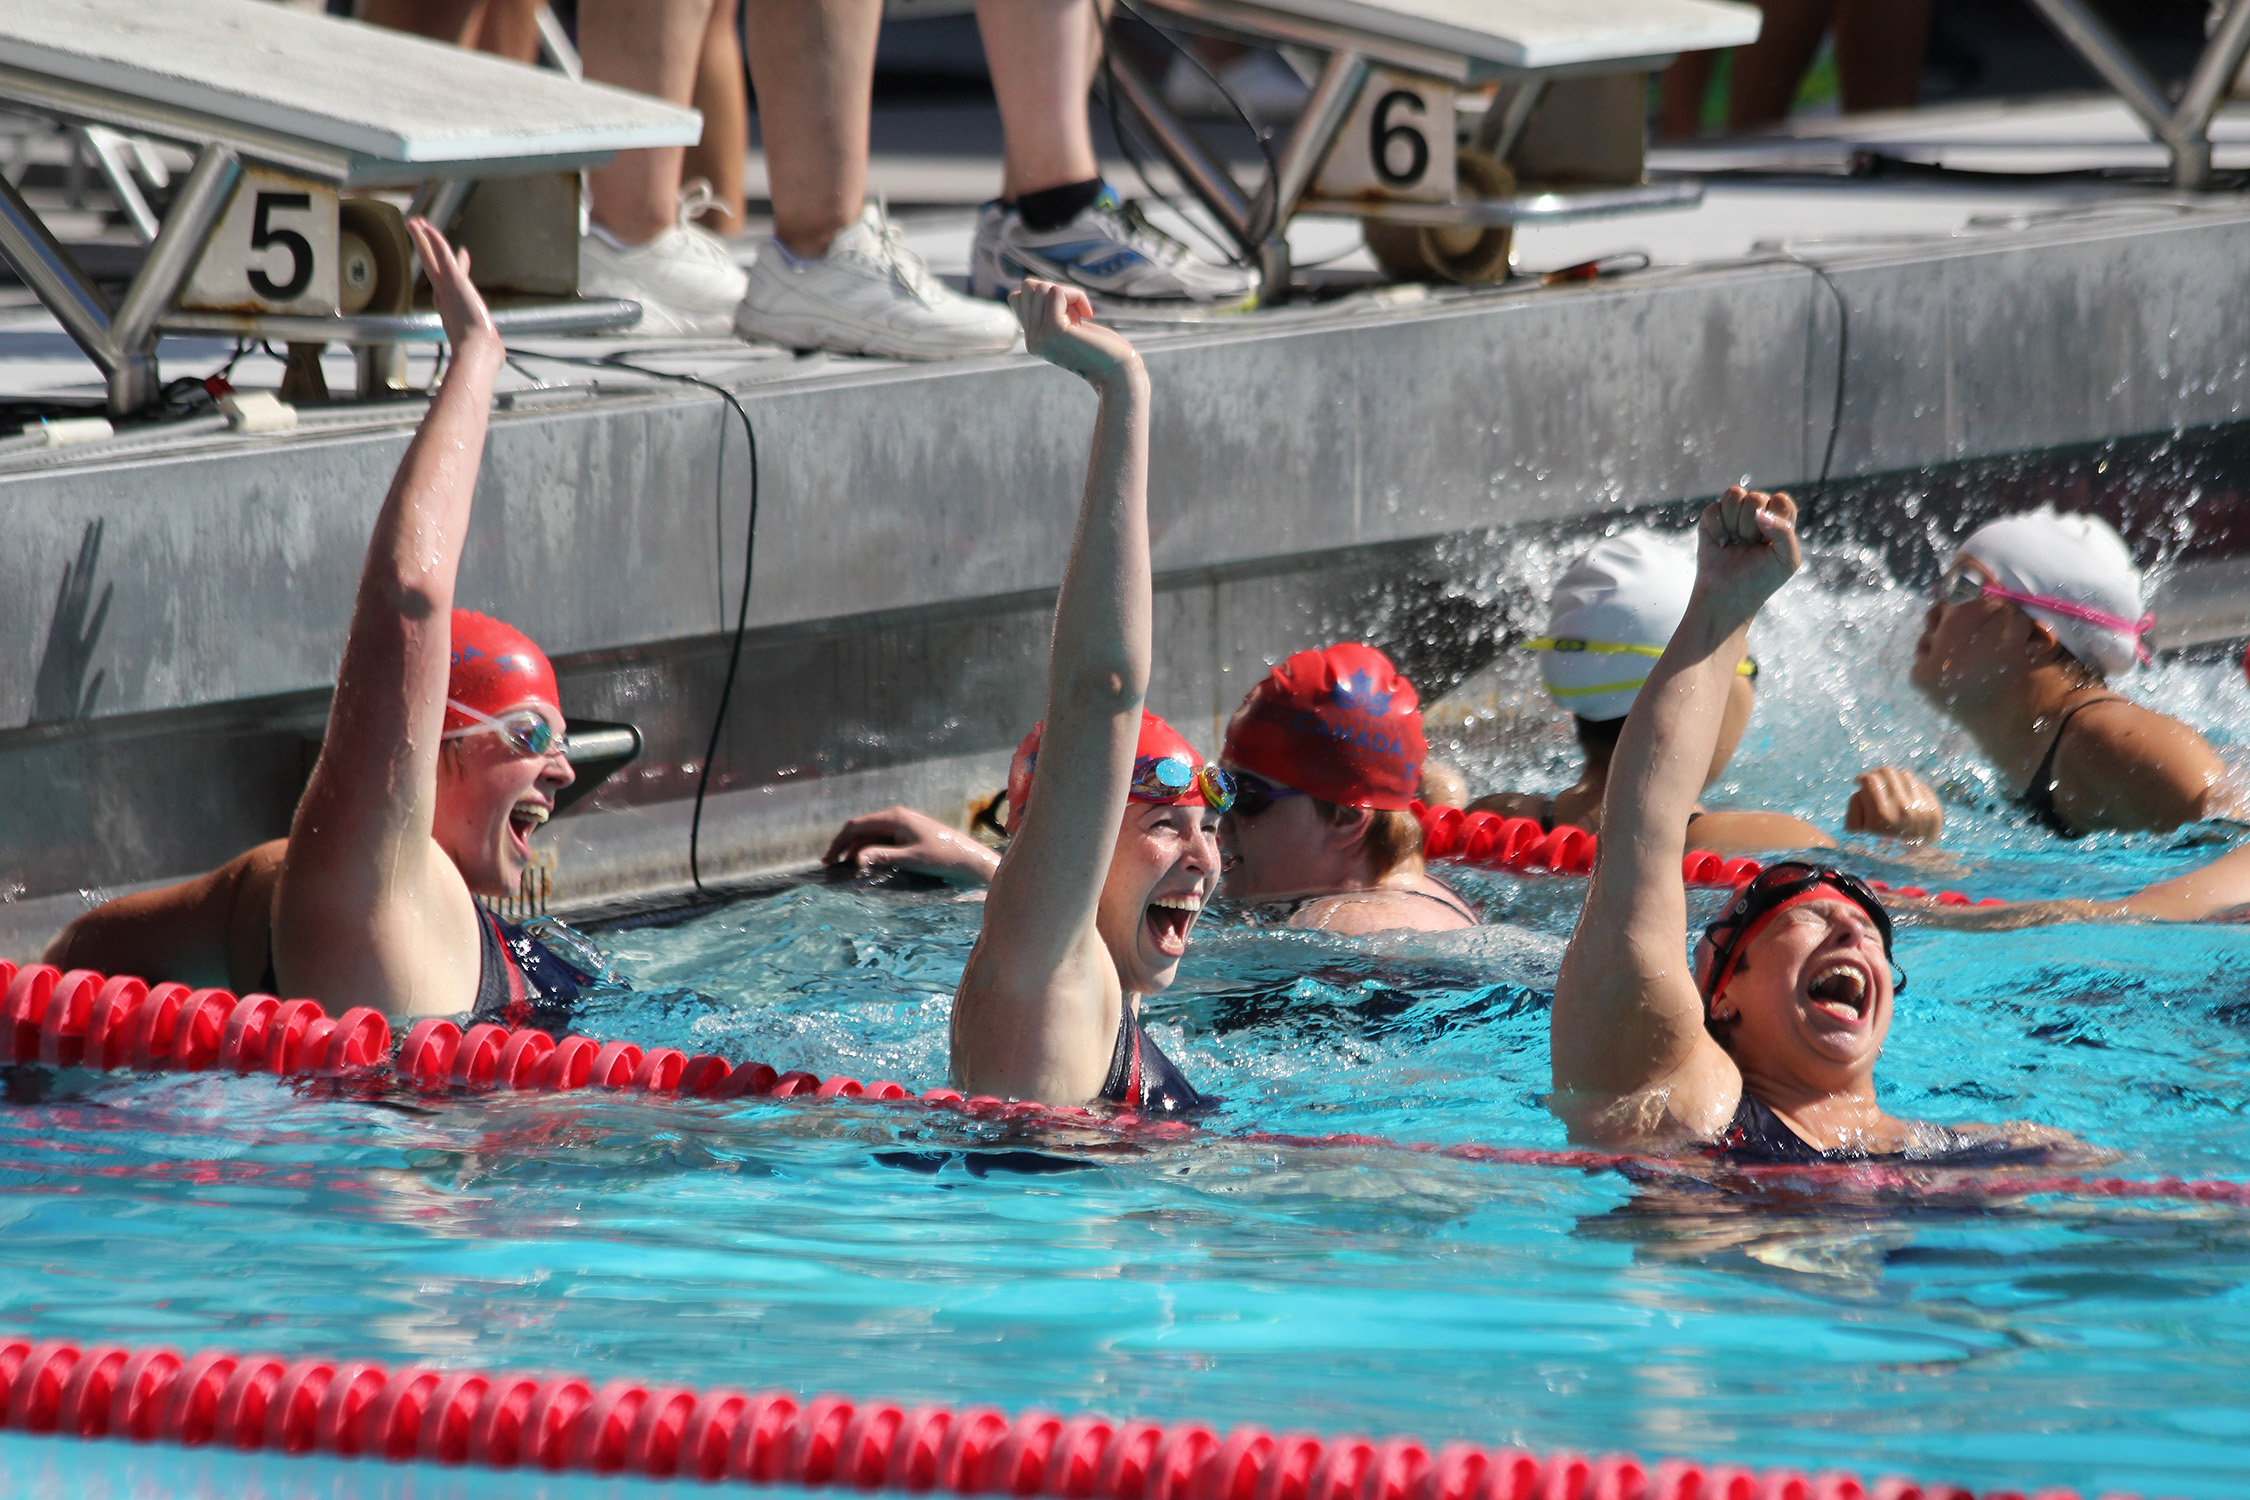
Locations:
{"points": [[121, 341], [2185, 129]]}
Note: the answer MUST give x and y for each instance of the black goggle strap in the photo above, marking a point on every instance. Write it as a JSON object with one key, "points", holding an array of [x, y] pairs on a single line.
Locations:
{"points": [[1774, 885]]}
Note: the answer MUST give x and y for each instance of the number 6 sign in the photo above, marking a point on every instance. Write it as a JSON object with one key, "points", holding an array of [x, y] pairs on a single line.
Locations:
{"points": [[1398, 142], [274, 250]]}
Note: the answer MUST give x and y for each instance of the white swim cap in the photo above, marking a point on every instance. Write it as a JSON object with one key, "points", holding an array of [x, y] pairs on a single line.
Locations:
{"points": [[1611, 614], [2073, 575]]}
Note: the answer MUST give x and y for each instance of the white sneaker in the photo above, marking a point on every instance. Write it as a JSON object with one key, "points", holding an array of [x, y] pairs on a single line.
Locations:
{"points": [[1109, 249], [868, 295], [685, 279]]}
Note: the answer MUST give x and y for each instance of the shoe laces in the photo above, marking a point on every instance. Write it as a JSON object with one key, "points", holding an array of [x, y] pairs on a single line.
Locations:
{"points": [[696, 200], [1141, 234], [891, 256]]}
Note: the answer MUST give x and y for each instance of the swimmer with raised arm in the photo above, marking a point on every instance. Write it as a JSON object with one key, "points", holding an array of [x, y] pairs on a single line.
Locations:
{"points": [[1610, 614], [2034, 618], [1113, 816], [1764, 1045], [444, 753]]}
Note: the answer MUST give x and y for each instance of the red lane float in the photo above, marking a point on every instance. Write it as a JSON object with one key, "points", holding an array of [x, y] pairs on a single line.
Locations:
{"points": [[1521, 845], [360, 1409], [123, 1022]]}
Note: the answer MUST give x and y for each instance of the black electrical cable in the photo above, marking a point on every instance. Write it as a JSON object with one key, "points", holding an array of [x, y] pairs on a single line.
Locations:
{"points": [[1843, 359], [1258, 134], [749, 567]]}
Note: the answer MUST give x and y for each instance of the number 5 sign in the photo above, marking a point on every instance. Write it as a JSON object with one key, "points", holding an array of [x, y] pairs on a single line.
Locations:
{"points": [[274, 250], [1398, 143]]}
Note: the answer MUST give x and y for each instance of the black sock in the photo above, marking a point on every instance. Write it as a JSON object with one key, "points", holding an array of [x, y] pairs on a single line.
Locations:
{"points": [[1051, 208]]}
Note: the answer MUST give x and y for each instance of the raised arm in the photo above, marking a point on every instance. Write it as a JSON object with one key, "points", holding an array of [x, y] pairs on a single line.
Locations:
{"points": [[1037, 1010], [360, 851], [1630, 1055]]}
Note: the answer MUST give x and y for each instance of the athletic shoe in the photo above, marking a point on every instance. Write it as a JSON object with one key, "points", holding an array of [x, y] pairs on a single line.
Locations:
{"points": [[868, 295], [685, 279], [1109, 249]]}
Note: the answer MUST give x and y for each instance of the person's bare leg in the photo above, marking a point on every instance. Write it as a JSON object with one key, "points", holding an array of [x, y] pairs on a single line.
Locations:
{"points": [[1042, 54], [813, 63], [509, 28], [1767, 72], [1880, 45], [724, 98], [1681, 90], [455, 21], [651, 46]]}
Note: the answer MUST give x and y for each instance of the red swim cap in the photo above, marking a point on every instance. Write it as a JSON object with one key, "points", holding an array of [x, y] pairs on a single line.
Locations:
{"points": [[1159, 741], [495, 668], [1340, 724]]}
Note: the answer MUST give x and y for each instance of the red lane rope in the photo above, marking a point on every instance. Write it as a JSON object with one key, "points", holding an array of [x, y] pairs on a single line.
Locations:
{"points": [[350, 1408], [85, 1019], [1521, 846]]}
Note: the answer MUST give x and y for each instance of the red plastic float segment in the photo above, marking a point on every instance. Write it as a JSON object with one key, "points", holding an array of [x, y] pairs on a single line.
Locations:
{"points": [[242, 1041], [570, 1065], [613, 1066], [425, 1058], [790, 1085], [1443, 833], [62, 1029], [476, 1057], [522, 1058], [24, 1007], [155, 1027], [202, 1029], [659, 1071], [839, 1087], [362, 1039]]}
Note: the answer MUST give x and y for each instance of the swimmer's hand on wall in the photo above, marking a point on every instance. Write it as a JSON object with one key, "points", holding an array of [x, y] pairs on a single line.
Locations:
{"points": [[899, 838], [1895, 803], [1746, 548], [1059, 327], [460, 305]]}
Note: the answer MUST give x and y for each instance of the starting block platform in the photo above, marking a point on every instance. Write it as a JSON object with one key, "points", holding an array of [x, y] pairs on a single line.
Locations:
{"points": [[288, 115], [1441, 124]]}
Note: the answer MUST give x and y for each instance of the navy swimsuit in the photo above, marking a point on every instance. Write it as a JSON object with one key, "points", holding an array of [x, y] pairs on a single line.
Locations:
{"points": [[1141, 1077], [520, 980]]}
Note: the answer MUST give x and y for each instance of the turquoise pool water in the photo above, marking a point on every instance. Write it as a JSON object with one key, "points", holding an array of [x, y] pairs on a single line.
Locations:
{"points": [[847, 1247]]}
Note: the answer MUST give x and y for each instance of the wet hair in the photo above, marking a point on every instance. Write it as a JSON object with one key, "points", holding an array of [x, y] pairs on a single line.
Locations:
{"points": [[1599, 736], [1392, 837]]}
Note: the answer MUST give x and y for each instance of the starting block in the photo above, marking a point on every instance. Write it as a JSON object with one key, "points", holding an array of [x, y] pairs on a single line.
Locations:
{"points": [[1556, 89], [295, 121]]}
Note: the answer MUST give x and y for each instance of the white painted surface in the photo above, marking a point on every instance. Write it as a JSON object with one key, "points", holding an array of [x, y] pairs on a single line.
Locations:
{"points": [[333, 83], [1542, 33]]}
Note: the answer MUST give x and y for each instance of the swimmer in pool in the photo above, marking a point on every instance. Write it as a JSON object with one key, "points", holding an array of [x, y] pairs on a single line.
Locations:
{"points": [[444, 753], [1608, 619], [1113, 816], [1764, 1045], [1326, 753], [2033, 619]]}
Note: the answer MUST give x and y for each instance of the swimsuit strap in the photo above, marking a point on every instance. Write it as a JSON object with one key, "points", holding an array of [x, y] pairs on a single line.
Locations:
{"points": [[1756, 1133], [2038, 799]]}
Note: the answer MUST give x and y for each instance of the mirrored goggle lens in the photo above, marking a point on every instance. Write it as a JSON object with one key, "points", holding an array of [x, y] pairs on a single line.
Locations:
{"points": [[529, 733], [1960, 587], [1169, 778]]}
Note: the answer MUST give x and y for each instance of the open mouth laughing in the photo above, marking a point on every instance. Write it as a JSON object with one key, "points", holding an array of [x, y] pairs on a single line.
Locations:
{"points": [[1168, 919]]}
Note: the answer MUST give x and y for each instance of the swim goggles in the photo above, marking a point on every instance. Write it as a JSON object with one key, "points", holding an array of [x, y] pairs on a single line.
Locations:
{"points": [[526, 731], [1169, 778], [1747, 667], [1253, 794], [1960, 586], [1775, 886]]}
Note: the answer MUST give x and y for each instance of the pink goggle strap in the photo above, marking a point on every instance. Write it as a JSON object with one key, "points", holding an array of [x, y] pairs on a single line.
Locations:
{"points": [[2117, 623]]}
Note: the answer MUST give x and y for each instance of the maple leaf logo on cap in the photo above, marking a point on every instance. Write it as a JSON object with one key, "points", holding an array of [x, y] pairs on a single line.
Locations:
{"points": [[1359, 693]]}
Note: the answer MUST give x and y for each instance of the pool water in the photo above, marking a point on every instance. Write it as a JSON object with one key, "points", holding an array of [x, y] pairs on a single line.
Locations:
{"points": [[851, 1247]]}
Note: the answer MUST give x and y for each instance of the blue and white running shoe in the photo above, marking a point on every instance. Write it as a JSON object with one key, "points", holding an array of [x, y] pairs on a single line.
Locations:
{"points": [[1110, 250]]}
